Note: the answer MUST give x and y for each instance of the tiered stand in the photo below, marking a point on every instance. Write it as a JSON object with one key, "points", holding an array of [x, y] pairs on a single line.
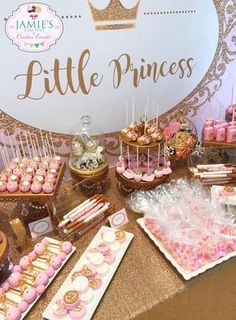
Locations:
{"points": [[131, 185]]}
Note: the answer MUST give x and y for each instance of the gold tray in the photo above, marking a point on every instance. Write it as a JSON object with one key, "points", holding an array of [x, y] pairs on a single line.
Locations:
{"points": [[30, 196], [87, 174], [142, 185]]}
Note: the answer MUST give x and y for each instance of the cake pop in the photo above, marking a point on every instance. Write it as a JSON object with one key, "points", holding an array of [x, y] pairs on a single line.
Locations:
{"points": [[65, 246], [13, 313], [36, 187], [24, 186], [48, 187], [39, 179], [42, 278], [3, 186], [30, 295], [12, 186]]}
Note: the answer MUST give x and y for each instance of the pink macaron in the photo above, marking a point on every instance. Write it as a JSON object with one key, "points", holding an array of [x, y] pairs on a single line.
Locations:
{"points": [[79, 312], [30, 295], [13, 314]]}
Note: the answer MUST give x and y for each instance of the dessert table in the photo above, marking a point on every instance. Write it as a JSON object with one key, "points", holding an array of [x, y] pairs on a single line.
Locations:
{"points": [[146, 286]]}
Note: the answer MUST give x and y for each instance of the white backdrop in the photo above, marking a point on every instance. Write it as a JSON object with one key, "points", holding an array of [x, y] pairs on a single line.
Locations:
{"points": [[171, 37]]}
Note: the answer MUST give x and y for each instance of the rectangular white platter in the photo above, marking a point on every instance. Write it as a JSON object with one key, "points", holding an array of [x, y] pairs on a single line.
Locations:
{"points": [[50, 280], [185, 273], [91, 307]]}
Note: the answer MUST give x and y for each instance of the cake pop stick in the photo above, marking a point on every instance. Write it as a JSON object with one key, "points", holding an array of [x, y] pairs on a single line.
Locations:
{"points": [[127, 116], [159, 154], [12, 149], [37, 143], [48, 145], [133, 111], [232, 96], [5, 149], [42, 141], [18, 154], [121, 149], [3, 158], [22, 146], [53, 147], [148, 160], [36, 151], [128, 157], [31, 155], [137, 164], [32, 145], [157, 115]]}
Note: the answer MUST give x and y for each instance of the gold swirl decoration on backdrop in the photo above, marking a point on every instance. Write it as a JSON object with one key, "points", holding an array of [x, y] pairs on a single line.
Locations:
{"points": [[189, 106]]}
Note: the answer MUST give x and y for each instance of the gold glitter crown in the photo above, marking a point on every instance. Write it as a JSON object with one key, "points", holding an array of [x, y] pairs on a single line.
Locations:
{"points": [[114, 16]]}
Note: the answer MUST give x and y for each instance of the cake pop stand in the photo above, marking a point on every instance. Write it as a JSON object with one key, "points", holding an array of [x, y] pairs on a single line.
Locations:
{"points": [[129, 185], [38, 199]]}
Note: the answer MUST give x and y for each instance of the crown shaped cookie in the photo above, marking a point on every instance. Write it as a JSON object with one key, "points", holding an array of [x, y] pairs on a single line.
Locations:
{"points": [[114, 16]]}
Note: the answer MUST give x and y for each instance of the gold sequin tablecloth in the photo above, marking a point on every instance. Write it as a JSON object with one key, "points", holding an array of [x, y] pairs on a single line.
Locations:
{"points": [[146, 286]]}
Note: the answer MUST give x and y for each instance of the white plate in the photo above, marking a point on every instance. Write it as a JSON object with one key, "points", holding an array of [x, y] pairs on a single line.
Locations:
{"points": [[185, 273], [48, 313]]}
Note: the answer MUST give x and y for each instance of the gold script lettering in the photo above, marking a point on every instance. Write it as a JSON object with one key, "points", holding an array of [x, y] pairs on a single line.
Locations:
{"points": [[123, 66], [52, 79]]}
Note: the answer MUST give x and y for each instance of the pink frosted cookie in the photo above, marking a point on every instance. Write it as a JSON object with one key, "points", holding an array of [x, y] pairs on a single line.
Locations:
{"points": [[36, 187], [24, 186], [158, 173], [3, 186], [59, 309], [120, 167], [79, 312], [148, 177], [128, 174], [30, 295], [12, 186], [138, 175], [166, 171], [48, 187]]}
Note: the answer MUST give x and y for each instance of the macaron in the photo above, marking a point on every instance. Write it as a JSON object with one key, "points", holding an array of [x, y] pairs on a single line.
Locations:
{"points": [[115, 247], [96, 258], [88, 270], [120, 236], [103, 269], [59, 309], [79, 312], [95, 283], [109, 257], [87, 297], [80, 284], [71, 299]]}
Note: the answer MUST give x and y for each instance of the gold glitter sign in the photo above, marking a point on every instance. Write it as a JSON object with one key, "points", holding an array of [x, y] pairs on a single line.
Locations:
{"points": [[114, 16], [112, 50]]}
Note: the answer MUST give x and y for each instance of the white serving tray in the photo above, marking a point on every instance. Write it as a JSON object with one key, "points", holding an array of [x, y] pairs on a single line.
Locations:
{"points": [[50, 280], [48, 313], [185, 273]]}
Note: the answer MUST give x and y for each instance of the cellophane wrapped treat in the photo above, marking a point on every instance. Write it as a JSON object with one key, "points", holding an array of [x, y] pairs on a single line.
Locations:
{"points": [[195, 230]]}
